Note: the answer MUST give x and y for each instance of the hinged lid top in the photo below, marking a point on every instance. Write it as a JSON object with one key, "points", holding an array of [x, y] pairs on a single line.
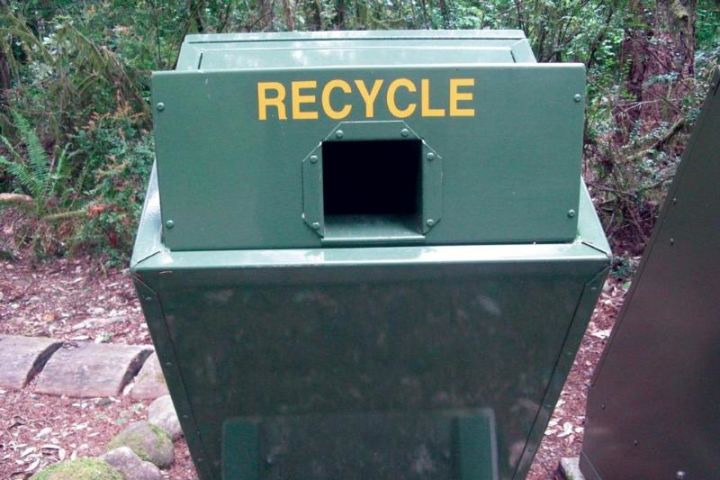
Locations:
{"points": [[355, 49]]}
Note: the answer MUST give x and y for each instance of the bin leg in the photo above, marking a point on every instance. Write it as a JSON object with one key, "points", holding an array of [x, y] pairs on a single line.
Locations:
{"points": [[474, 448], [240, 450]]}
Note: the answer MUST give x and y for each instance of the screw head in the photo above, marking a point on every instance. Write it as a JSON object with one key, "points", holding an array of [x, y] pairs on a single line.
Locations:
{"points": [[430, 156], [339, 134], [571, 213], [577, 97], [404, 132], [313, 158], [316, 226], [160, 106], [169, 224], [430, 222]]}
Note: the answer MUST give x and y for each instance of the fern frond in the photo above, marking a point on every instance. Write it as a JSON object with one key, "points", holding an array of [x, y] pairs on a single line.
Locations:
{"points": [[38, 162], [20, 172]]}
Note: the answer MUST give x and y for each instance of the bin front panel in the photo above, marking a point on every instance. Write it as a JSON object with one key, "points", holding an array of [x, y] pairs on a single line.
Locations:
{"points": [[510, 154], [257, 343]]}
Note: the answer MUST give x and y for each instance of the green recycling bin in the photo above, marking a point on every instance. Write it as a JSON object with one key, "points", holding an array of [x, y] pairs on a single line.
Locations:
{"points": [[367, 255]]}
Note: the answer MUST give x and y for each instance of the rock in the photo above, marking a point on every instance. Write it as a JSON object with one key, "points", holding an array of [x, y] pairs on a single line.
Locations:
{"points": [[149, 442], [162, 414], [570, 469], [91, 370], [80, 469], [131, 466], [22, 358], [150, 382]]}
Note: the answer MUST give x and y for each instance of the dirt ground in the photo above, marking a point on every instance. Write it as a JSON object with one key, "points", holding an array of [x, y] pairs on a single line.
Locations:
{"points": [[76, 300]]}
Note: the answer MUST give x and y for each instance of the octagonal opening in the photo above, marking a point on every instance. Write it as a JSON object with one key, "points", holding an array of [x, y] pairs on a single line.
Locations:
{"points": [[372, 187]]}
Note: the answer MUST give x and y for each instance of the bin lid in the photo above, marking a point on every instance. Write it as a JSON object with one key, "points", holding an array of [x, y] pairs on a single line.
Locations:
{"points": [[353, 49]]}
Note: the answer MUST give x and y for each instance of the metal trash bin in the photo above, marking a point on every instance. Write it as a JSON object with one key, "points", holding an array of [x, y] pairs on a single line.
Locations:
{"points": [[367, 254]]}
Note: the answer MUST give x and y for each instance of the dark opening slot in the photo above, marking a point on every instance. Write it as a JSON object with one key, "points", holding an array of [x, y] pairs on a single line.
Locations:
{"points": [[371, 178]]}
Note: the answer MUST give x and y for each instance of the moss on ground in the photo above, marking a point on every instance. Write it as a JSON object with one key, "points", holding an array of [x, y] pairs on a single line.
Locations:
{"points": [[80, 469]]}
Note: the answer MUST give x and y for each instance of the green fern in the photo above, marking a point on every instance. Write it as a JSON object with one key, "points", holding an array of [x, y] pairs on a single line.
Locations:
{"points": [[35, 175]]}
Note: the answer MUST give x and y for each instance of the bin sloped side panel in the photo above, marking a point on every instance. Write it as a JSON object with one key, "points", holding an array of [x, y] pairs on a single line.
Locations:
{"points": [[653, 407]]}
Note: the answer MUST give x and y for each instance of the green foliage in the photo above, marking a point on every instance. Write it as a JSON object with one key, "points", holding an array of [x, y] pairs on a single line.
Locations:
{"points": [[34, 172]]}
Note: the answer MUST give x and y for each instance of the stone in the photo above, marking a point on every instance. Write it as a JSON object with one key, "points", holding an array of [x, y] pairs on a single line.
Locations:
{"points": [[161, 413], [130, 465], [80, 469], [91, 370], [148, 442], [570, 469], [22, 358], [150, 382]]}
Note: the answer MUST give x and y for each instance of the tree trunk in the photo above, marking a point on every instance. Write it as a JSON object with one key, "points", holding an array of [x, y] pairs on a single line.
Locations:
{"points": [[265, 14], [339, 22], [659, 51]]}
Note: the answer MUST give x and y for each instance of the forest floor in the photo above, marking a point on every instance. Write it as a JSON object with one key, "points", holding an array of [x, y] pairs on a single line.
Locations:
{"points": [[76, 300]]}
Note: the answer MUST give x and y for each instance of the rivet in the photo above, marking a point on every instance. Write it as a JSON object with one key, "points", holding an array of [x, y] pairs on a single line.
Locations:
{"points": [[168, 364], [680, 474], [404, 132], [147, 299], [186, 416], [636, 443], [339, 134], [672, 241], [160, 106], [169, 224], [313, 158], [571, 213], [430, 222], [603, 406], [269, 460], [430, 156], [674, 200], [577, 97], [316, 225]]}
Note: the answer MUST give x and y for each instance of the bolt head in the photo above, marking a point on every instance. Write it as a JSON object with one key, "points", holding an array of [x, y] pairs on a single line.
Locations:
{"points": [[316, 225], [571, 213], [313, 158], [577, 97], [680, 475], [430, 156], [169, 224], [404, 132], [160, 106], [339, 134], [430, 222]]}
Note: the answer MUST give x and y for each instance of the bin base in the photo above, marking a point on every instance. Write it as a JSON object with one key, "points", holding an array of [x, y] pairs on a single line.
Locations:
{"points": [[426, 446]]}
